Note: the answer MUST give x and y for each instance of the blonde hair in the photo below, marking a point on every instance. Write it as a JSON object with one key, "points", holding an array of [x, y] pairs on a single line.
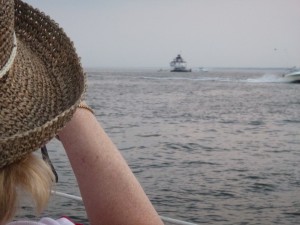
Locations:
{"points": [[32, 175]]}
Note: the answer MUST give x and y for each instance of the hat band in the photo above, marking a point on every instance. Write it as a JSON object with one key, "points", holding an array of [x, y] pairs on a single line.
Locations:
{"points": [[11, 59]]}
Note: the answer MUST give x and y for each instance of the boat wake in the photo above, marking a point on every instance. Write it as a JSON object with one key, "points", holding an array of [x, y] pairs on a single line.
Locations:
{"points": [[190, 79], [268, 78]]}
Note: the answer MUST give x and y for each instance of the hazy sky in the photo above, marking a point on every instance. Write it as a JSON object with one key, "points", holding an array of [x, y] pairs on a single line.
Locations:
{"points": [[150, 33]]}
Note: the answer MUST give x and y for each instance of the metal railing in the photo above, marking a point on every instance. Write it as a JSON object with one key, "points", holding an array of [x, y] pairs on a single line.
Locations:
{"points": [[164, 219]]}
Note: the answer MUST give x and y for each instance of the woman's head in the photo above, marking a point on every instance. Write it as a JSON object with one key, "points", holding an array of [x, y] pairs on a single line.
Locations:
{"points": [[41, 84]]}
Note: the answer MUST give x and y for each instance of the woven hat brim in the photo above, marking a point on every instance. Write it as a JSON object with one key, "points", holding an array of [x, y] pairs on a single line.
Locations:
{"points": [[43, 88]]}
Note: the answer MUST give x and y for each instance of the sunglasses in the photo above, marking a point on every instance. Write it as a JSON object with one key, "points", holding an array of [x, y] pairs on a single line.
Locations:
{"points": [[46, 158]]}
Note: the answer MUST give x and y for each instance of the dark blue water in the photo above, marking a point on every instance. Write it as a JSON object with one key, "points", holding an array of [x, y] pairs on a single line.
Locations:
{"points": [[217, 147]]}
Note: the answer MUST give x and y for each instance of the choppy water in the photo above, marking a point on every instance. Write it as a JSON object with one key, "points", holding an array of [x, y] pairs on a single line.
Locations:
{"points": [[220, 147]]}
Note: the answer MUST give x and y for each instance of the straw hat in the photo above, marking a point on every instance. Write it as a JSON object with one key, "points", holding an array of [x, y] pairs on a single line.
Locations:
{"points": [[41, 80]]}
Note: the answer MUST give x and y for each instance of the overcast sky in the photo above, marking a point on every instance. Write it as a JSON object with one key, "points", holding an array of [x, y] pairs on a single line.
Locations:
{"points": [[208, 33]]}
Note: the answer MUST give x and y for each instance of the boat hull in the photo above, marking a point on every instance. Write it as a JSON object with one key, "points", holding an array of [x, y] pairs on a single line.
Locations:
{"points": [[293, 77], [181, 70]]}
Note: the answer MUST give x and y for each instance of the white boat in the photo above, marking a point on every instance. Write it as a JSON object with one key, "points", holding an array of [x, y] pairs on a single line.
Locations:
{"points": [[179, 65], [202, 69], [292, 76]]}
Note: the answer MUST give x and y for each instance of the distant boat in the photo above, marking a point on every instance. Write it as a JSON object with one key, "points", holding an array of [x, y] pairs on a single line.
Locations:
{"points": [[293, 77], [179, 65], [202, 69]]}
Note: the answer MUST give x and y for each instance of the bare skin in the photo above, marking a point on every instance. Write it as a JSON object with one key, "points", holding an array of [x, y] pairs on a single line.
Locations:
{"points": [[111, 193]]}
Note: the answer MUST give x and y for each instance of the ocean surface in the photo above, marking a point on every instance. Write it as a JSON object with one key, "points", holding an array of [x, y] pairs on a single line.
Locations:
{"points": [[216, 147]]}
